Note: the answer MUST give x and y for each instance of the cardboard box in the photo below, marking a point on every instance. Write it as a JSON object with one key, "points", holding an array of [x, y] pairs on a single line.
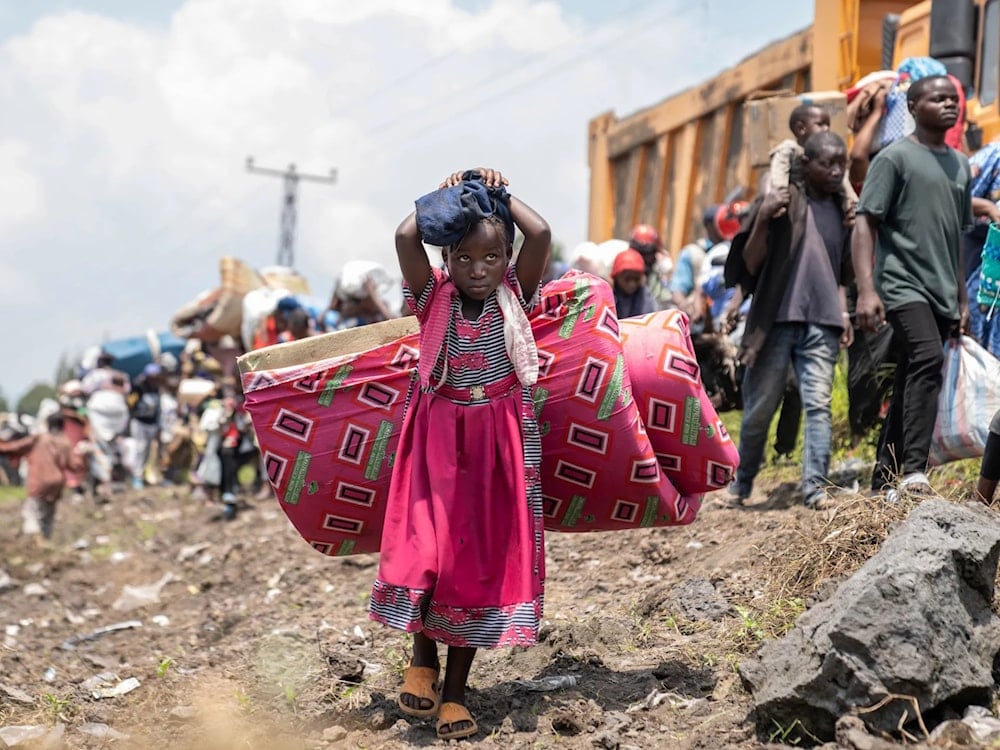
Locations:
{"points": [[766, 119]]}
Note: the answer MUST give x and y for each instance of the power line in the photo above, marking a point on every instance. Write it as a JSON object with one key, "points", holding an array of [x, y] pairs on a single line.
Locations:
{"points": [[291, 178], [494, 96], [527, 63]]}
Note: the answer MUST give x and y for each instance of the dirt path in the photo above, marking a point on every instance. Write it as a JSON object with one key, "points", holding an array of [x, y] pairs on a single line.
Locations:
{"points": [[258, 641]]}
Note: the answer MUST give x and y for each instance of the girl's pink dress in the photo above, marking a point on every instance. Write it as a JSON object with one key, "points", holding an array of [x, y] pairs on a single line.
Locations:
{"points": [[462, 556]]}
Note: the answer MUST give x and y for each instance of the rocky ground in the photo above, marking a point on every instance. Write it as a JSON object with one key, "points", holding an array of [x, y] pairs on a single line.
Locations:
{"points": [[239, 635]]}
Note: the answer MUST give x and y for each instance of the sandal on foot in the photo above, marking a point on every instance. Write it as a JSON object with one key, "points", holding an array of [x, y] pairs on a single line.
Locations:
{"points": [[420, 682], [452, 714]]}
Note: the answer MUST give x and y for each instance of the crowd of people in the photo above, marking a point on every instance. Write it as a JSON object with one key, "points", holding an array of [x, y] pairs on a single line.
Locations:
{"points": [[882, 250], [180, 420]]}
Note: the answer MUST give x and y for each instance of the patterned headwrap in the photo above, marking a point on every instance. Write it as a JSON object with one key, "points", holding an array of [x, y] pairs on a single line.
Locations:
{"points": [[985, 164]]}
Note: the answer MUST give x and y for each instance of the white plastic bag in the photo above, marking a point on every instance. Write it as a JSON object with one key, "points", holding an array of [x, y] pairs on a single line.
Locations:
{"points": [[970, 395], [257, 305], [355, 273]]}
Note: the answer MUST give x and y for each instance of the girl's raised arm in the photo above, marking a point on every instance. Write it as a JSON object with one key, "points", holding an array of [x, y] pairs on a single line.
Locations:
{"points": [[413, 261], [535, 250]]}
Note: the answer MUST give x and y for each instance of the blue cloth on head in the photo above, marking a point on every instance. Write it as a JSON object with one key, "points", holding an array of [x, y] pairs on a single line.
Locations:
{"points": [[445, 215], [287, 304], [921, 67]]}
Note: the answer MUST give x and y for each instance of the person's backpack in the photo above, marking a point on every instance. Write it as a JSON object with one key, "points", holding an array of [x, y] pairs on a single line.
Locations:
{"points": [[147, 408]]}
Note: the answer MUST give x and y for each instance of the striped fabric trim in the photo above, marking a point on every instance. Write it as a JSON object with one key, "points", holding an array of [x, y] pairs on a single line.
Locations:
{"points": [[481, 627]]}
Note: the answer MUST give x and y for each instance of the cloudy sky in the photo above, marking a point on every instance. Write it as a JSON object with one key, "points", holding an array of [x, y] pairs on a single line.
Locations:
{"points": [[126, 126]]}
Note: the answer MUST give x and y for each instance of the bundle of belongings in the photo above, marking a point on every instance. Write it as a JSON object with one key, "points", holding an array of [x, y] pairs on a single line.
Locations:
{"points": [[626, 394], [896, 121], [221, 311]]}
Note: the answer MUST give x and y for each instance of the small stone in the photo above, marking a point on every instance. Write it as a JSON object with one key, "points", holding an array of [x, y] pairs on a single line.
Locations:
{"points": [[336, 733], [182, 713], [17, 695], [101, 731], [6, 582], [379, 721], [564, 722]]}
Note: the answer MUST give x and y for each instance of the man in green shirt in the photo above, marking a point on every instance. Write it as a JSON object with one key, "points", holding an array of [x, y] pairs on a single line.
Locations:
{"points": [[915, 204]]}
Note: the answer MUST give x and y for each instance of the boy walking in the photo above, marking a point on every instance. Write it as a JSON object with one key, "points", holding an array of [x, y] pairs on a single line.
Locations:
{"points": [[793, 257], [915, 204]]}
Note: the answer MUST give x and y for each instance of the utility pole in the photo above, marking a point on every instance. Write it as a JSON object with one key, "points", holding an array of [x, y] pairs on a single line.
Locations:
{"points": [[291, 177]]}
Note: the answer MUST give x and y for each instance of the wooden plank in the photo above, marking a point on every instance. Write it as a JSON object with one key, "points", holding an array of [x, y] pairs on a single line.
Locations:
{"points": [[733, 84], [651, 185], [600, 219], [670, 186], [638, 188], [327, 345], [736, 166], [624, 169], [684, 169], [703, 184], [665, 155]]}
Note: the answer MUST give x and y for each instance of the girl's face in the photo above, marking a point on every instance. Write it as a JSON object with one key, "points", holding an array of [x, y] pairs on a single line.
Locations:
{"points": [[478, 264]]}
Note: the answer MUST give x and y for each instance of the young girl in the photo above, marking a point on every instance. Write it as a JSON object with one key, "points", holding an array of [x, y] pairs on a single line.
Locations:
{"points": [[462, 558], [989, 472]]}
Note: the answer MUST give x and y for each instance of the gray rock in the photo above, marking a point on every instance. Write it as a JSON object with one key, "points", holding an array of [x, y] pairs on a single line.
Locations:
{"points": [[183, 713], [336, 733], [16, 695], [698, 599], [694, 599], [915, 620]]}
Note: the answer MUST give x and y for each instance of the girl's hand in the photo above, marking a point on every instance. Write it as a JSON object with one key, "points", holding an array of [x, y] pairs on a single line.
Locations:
{"points": [[491, 178]]}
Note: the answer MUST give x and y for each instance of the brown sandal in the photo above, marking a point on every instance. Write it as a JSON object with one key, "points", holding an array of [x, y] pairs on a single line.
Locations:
{"points": [[451, 714], [420, 682]]}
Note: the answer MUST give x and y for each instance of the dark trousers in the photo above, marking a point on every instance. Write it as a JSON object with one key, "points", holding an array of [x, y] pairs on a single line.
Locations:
{"points": [[905, 440], [786, 433], [232, 460]]}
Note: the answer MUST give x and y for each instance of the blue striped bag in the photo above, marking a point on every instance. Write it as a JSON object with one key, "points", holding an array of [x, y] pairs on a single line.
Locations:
{"points": [[970, 396]]}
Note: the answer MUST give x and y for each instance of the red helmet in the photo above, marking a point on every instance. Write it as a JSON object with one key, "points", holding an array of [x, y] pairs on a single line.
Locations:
{"points": [[728, 218], [643, 234]]}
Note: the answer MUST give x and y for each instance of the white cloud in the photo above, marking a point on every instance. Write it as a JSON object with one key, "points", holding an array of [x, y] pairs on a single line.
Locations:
{"points": [[122, 174], [20, 188]]}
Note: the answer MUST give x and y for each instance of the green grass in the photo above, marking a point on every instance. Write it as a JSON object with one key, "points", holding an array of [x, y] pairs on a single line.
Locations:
{"points": [[952, 480], [11, 494]]}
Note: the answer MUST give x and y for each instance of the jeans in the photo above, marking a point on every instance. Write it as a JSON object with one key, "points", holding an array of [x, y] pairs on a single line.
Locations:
{"points": [[143, 437], [812, 350], [905, 440]]}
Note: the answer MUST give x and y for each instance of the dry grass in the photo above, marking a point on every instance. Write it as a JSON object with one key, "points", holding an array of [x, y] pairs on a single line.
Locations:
{"points": [[833, 550]]}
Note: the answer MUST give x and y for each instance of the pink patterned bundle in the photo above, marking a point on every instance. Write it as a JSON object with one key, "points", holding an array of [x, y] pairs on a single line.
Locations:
{"points": [[629, 437]]}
